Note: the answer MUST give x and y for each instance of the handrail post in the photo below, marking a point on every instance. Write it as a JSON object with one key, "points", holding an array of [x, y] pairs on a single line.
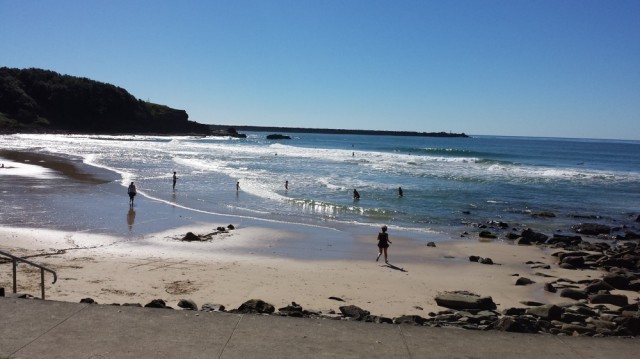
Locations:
{"points": [[15, 282], [42, 281]]}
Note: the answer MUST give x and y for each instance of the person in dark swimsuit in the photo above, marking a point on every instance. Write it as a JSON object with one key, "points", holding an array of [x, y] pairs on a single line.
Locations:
{"points": [[132, 193], [383, 244]]}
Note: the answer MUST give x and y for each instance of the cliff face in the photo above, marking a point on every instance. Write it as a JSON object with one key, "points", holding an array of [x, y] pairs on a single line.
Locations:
{"points": [[41, 100]]}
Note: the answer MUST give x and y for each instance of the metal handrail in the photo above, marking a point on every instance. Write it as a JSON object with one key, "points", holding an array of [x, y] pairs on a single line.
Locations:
{"points": [[15, 261]]}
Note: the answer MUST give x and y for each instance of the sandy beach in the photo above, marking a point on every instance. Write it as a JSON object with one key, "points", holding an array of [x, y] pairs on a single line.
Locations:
{"points": [[252, 263], [95, 256]]}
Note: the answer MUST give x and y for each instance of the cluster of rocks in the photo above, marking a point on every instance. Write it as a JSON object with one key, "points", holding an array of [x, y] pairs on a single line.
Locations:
{"points": [[464, 310], [192, 237]]}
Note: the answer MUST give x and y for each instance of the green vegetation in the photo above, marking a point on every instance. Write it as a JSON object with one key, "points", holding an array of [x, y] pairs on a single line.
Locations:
{"points": [[42, 100]]}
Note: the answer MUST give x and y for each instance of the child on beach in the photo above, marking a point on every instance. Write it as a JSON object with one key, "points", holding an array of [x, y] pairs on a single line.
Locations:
{"points": [[383, 244], [132, 193]]}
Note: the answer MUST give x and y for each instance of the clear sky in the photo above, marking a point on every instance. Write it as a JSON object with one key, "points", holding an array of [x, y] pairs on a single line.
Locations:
{"points": [[558, 68]]}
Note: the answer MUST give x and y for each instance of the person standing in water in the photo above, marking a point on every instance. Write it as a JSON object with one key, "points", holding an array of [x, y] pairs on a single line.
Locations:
{"points": [[400, 194], [356, 195], [237, 186], [286, 184], [383, 244], [174, 180], [132, 193]]}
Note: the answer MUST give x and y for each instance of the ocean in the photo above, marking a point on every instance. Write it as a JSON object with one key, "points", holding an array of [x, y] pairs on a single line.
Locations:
{"points": [[450, 185]]}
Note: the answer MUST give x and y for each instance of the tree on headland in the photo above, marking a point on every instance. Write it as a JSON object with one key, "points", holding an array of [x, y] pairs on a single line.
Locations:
{"points": [[42, 100]]}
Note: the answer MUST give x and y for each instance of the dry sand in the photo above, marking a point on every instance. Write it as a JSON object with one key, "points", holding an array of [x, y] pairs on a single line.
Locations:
{"points": [[253, 263]]}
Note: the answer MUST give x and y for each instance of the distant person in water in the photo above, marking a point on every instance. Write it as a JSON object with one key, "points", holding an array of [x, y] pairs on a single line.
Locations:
{"points": [[356, 195], [286, 184], [132, 193], [237, 186], [400, 193], [383, 244], [175, 178]]}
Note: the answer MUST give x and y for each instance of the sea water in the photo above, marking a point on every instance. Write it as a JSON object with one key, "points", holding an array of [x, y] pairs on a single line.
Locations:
{"points": [[448, 183]]}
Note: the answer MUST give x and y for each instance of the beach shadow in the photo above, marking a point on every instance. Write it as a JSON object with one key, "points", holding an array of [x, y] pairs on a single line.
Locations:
{"points": [[389, 265]]}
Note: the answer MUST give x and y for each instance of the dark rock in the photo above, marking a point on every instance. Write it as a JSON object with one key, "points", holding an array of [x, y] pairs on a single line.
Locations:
{"points": [[567, 266], [486, 261], [474, 258], [512, 236], [550, 288], [516, 325], [499, 224], [573, 317], [628, 325], [597, 286], [352, 311], [409, 319], [190, 237], [210, 307], [521, 241], [567, 240], [575, 328], [617, 281], [156, 303], [487, 234], [548, 312], [132, 305], [378, 319], [531, 303], [592, 229], [634, 285], [464, 300], [256, 306], [524, 281], [431, 244], [514, 311], [534, 237], [187, 304], [629, 235], [573, 294], [231, 227], [615, 299], [575, 261], [88, 301], [291, 309], [276, 136], [337, 299]]}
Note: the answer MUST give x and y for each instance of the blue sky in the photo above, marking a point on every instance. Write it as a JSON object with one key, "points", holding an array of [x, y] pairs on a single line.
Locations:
{"points": [[557, 68]]}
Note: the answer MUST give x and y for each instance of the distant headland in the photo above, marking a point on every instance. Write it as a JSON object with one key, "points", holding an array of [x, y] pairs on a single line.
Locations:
{"points": [[335, 131], [44, 101], [36, 100]]}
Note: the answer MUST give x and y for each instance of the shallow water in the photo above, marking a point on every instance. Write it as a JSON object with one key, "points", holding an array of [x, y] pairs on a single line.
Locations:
{"points": [[447, 182]]}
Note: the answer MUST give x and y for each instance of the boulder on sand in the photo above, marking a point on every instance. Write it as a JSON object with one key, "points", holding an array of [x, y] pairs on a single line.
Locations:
{"points": [[464, 300]]}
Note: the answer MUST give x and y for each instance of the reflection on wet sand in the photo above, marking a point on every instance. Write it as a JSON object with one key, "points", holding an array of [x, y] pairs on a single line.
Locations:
{"points": [[131, 218]]}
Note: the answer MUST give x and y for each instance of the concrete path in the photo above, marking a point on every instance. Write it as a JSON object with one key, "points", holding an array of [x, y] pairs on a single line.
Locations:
{"points": [[48, 329]]}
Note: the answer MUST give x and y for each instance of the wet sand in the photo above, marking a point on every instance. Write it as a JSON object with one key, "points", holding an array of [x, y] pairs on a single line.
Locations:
{"points": [[101, 248]]}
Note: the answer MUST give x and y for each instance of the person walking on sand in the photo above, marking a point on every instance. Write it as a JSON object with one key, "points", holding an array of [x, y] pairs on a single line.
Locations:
{"points": [[132, 193], [383, 244], [175, 178]]}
